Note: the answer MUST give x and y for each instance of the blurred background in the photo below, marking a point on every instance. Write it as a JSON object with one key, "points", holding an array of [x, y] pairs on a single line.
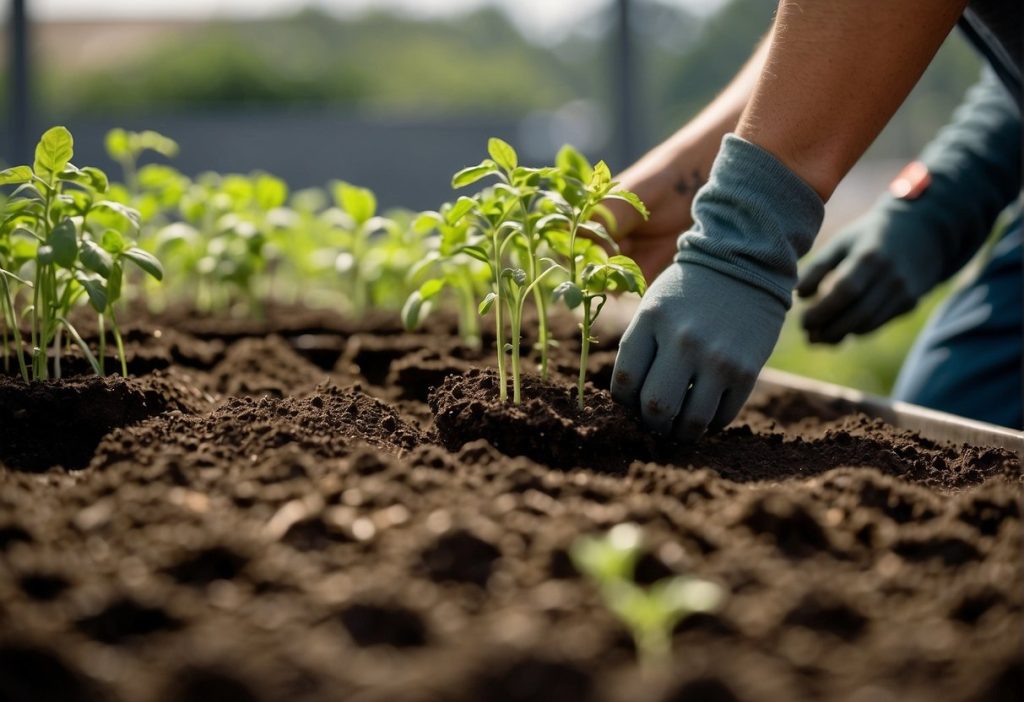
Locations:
{"points": [[396, 95]]}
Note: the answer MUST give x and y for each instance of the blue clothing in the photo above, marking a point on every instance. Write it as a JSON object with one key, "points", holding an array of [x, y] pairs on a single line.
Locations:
{"points": [[968, 359], [996, 28]]}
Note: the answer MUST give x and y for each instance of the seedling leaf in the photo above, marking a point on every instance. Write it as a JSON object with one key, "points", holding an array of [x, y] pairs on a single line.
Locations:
{"points": [[54, 150], [64, 242], [411, 310], [15, 175], [633, 199], [359, 203], [470, 175], [487, 303], [94, 289], [146, 261], [502, 153], [95, 259], [570, 292]]}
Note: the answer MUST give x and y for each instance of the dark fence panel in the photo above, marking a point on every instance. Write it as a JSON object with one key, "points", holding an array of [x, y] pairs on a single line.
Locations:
{"points": [[406, 161]]}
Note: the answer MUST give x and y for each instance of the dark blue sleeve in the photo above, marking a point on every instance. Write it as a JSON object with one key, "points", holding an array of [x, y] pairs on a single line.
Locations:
{"points": [[975, 164]]}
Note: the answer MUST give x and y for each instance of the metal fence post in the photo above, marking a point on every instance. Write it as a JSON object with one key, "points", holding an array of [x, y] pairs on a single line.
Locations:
{"points": [[624, 92], [18, 98]]}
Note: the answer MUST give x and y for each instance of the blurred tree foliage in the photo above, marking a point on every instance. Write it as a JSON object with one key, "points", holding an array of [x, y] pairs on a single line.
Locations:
{"points": [[475, 63], [379, 60]]}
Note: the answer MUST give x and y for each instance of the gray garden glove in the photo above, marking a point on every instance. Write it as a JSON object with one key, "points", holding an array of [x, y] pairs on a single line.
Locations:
{"points": [[884, 262], [708, 323]]}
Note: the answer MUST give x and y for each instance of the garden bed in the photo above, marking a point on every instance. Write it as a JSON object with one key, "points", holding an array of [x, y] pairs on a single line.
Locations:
{"points": [[303, 509]]}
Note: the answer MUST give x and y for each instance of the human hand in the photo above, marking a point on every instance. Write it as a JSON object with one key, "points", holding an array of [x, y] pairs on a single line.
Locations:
{"points": [[872, 271], [691, 355], [666, 181]]}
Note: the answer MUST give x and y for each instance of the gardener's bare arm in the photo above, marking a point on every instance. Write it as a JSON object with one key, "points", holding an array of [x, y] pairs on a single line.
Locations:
{"points": [[668, 176], [836, 72]]}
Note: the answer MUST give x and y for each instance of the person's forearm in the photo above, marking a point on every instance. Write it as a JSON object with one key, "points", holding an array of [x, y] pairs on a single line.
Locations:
{"points": [[689, 153], [836, 72]]}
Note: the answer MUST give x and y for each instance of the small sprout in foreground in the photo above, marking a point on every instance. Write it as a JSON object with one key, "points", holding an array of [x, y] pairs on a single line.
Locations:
{"points": [[651, 613]]}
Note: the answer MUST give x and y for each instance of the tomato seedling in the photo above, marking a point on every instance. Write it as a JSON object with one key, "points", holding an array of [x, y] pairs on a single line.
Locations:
{"points": [[578, 197]]}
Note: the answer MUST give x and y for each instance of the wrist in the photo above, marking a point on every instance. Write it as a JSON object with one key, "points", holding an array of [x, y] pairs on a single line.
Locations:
{"points": [[753, 220]]}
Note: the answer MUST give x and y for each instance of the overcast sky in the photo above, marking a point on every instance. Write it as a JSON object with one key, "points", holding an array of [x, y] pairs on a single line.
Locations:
{"points": [[541, 18]]}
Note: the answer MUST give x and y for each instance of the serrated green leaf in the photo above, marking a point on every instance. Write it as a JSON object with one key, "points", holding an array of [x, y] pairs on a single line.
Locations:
{"points": [[502, 153], [64, 241], [487, 303], [54, 150], [95, 258], [470, 175], [15, 175], [146, 261]]}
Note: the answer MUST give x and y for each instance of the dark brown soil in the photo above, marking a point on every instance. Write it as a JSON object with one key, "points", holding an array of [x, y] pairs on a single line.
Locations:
{"points": [[276, 515]]}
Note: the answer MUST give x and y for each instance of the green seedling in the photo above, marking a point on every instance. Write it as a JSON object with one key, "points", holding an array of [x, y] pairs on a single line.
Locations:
{"points": [[62, 240], [507, 215], [650, 613], [221, 246], [445, 267], [374, 253], [593, 275], [127, 147], [155, 190]]}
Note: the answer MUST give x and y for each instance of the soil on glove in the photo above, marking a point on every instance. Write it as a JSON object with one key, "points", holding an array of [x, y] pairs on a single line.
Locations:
{"points": [[272, 511]]}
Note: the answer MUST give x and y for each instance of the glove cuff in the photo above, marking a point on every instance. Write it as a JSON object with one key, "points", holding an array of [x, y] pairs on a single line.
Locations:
{"points": [[753, 219]]}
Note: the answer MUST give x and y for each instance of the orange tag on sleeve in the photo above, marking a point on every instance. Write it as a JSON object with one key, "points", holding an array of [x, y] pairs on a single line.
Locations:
{"points": [[912, 181]]}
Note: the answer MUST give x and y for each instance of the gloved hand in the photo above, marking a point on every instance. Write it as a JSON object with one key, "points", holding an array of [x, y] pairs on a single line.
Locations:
{"points": [[707, 324], [903, 247], [877, 269]]}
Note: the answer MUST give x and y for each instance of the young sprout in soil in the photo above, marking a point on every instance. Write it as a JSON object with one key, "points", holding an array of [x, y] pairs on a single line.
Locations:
{"points": [[127, 147], [62, 240], [650, 613], [374, 253], [221, 248], [451, 269], [593, 275], [505, 220]]}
